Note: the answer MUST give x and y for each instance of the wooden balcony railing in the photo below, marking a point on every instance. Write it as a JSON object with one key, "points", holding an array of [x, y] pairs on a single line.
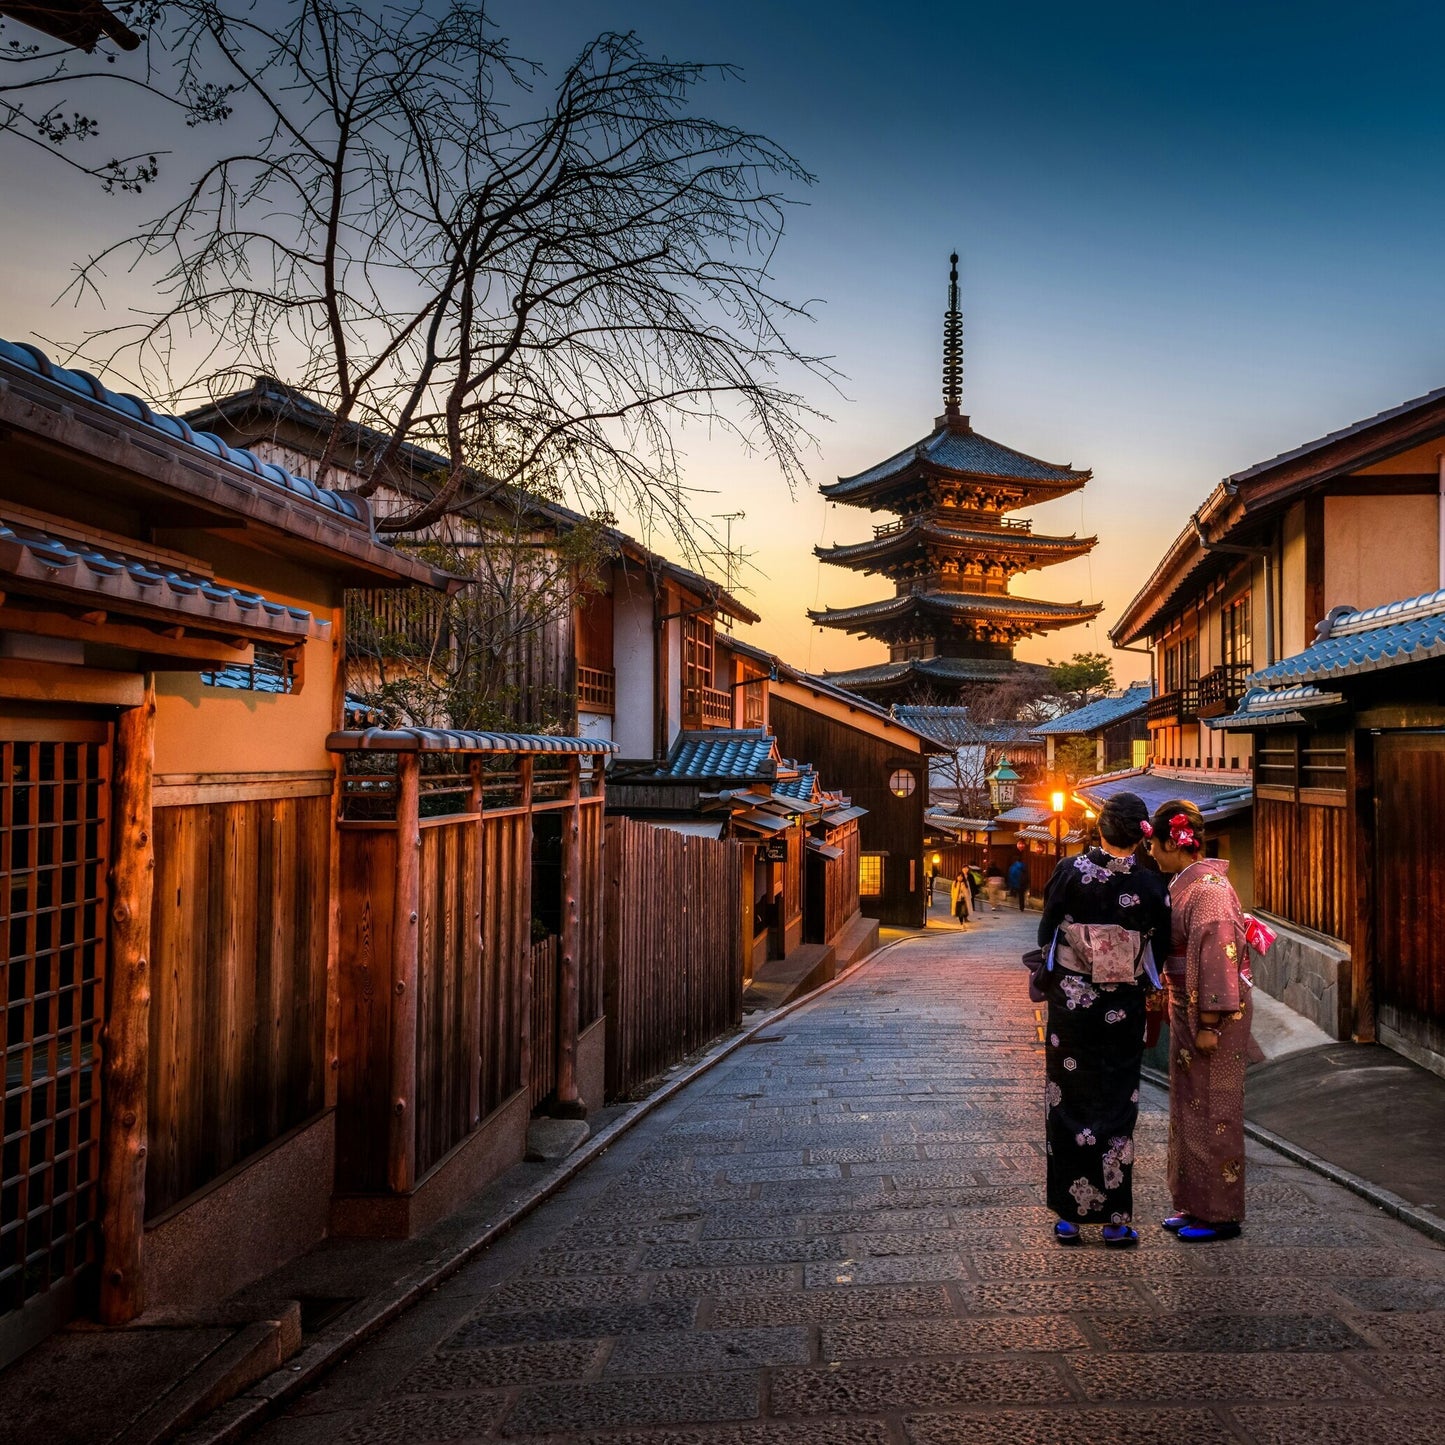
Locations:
{"points": [[597, 689], [706, 707], [1181, 705], [1221, 690]]}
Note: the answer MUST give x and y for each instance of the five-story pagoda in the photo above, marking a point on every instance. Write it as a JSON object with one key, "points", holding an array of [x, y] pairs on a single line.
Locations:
{"points": [[952, 623]]}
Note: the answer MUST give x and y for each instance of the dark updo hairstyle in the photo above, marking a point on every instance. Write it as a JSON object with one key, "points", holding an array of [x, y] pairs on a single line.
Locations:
{"points": [[1121, 819], [1165, 829]]}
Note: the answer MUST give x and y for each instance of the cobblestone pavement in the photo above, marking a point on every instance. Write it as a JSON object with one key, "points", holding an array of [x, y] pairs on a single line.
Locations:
{"points": [[837, 1238]]}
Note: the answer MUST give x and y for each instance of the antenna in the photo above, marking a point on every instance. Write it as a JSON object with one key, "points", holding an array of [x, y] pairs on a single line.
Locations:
{"points": [[730, 558]]}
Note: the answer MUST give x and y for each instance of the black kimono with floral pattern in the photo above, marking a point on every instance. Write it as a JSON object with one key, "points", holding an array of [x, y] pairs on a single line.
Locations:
{"points": [[1095, 1039]]}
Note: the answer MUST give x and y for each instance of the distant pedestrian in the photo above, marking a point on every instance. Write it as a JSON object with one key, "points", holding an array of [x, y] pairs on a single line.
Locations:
{"points": [[994, 885], [1018, 881], [1102, 911], [959, 898], [1209, 1042], [970, 876]]}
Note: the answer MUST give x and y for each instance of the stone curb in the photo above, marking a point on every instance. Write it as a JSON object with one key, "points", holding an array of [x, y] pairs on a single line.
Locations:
{"points": [[1428, 1223], [233, 1421]]}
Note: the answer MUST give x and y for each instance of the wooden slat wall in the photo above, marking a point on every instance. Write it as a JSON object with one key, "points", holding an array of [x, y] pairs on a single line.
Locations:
{"points": [[1304, 865], [238, 1010], [840, 881], [675, 947], [543, 1066], [590, 988], [506, 954]]}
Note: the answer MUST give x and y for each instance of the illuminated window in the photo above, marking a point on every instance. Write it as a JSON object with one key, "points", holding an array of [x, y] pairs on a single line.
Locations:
{"points": [[902, 783], [1141, 752], [870, 875]]}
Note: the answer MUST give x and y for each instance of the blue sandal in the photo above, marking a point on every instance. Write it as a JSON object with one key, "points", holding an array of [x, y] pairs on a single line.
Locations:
{"points": [[1066, 1233], [1176, 1222], [1199, 1232], [1120, 1236]]}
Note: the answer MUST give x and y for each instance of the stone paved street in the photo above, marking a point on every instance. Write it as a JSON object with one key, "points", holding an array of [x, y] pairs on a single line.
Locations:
{"points": [[837, 1238]]}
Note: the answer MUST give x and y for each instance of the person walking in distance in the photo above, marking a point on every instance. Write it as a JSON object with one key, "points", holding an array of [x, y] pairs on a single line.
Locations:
{"points": [[1018, 881], [960, 899], [994, 885], [1209, 1039]]}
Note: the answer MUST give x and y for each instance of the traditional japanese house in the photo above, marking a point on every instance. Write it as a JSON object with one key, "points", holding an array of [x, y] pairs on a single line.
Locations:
{"points": [[1109, 732], [880, 762], [1350, 519], [1349, 747], [952, 623], [972, 749], [170, 667]]}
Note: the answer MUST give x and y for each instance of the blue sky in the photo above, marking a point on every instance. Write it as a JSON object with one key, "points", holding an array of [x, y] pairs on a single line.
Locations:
{"points": [[1192, 237]]}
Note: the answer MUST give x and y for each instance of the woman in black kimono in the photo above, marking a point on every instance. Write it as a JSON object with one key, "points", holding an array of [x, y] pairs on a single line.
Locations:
{"points": [[1095, 1040]]}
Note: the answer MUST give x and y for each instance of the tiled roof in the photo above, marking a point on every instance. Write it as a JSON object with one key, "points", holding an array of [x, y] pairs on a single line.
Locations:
{"points": [[1103, 712], [955, 604], [920, 531], [1214, 800], [1263, 707], [954, 823], [953, 727], [452, 740], [965, 452], [740, 753], [176, 429], [804, 787], [1038, 833], [934, 669], [123, 583], [1412, 630]]}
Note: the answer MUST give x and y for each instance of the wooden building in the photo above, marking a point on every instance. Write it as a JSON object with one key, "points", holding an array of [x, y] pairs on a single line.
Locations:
{"points": [[170, 667], [1110, 732], [1349, 745]]}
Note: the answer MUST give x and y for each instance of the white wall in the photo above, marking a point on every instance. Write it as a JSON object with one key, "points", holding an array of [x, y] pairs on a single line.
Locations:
{"points": [[594, 725], [632, 659], [674, 669]]}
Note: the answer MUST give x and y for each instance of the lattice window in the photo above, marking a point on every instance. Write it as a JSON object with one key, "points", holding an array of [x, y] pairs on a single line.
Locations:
{"points": [[870, 875], [1324, 762], [1276, 762], [697, 650], [1236, 642], [272, 671], [54, 837]]}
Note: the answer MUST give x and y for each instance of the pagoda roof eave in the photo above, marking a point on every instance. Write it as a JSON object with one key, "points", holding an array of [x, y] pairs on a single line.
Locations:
{"points": [[916, 535], [946, 671], [954, 606]]}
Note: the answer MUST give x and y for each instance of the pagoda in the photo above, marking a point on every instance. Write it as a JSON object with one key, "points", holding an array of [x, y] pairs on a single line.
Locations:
{"points": [[952, 623]]}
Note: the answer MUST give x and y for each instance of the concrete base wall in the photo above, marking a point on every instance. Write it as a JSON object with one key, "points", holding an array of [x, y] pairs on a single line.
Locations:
{"points": [[498, 1142], [1421, 1046], [262, 1213], [1308, 973], [592, 1064]]}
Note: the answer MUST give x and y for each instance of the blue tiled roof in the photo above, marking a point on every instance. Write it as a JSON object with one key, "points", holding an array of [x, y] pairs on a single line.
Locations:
{"points": [[953, 727], [1101, 713], [961, 451], [453, 740], [1214, 800], [741, 753], [1263, 707], [176, 429], [804, 787], [934, 669], [1412, 630]]}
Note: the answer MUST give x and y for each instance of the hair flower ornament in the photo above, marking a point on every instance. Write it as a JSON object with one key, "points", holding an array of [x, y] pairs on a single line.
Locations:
{"points": [[1146, 828], [1181, 832]]}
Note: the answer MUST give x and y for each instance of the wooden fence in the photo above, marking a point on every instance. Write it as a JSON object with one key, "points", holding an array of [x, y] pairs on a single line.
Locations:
{"points": [[833, 886], [436, 963], [237, 1029], [675, 921], [543, 1072]]}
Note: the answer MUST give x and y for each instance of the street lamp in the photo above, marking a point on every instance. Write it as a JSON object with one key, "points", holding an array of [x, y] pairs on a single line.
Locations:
{"points": [[1057, 799], [1003, 784]]}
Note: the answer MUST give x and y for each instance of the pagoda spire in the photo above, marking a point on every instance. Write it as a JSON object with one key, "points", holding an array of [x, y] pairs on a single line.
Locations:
{"points": [[953, 353]]}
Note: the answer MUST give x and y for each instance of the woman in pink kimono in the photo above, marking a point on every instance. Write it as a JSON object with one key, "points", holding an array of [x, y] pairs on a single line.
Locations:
{"points": [[1209, 1042]]}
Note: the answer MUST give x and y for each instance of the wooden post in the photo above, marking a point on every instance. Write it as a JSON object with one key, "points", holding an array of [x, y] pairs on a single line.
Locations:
{"points": [[1361, 814], [570, 1104], [477, 902], [401, 1151], [522, 943], [331, 1083], [126, 1037]]}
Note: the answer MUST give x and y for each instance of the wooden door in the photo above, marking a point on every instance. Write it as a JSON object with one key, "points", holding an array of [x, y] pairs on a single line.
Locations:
{"points": [[54, 847], [1409, 886]]}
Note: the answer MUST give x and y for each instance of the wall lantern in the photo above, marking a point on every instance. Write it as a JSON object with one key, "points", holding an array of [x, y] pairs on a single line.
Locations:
{"points": [[1002, 786]]}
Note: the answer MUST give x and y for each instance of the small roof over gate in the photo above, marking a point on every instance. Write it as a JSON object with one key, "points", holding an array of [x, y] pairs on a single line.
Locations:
{"points": [[451, 740]]}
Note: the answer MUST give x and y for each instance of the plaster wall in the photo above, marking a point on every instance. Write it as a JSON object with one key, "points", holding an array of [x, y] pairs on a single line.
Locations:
{"points": [[632, 659], [1380, 549], [201, 729], [1290, 624], [594, 725]]}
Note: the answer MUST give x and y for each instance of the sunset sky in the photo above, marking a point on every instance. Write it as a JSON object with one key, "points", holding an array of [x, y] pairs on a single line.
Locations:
{"points": [[1192, 237]]}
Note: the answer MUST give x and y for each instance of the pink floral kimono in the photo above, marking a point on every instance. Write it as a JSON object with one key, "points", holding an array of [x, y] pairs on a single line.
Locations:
{"points": [[1208, 970]]}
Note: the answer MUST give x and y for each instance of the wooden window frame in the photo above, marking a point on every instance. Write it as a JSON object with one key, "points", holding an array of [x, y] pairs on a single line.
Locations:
{"points": [[866, 861]]}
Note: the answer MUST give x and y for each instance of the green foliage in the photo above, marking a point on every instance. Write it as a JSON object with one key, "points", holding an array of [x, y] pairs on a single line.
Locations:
{"points": [[1085, 676], [1076, 758]]}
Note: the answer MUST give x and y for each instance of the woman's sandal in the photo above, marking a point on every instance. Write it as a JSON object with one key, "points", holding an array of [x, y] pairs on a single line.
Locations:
{"points": [[1200, 1232], [1120, 1236], [1176, 1222], [1066, 1233]]}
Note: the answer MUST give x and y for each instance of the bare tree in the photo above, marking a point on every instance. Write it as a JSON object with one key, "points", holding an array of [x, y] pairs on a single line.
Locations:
{"points": [[539, 287]]}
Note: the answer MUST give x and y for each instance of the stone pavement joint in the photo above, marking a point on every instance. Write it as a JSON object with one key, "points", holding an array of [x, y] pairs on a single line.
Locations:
{"points": [[838, 1237]]}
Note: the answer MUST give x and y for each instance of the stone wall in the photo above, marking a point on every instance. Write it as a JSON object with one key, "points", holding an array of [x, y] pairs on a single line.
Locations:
{"points": [[1308, 973]]}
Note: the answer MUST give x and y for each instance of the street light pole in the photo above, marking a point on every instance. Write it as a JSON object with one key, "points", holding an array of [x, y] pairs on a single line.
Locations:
{"points": [[1058, 825]]}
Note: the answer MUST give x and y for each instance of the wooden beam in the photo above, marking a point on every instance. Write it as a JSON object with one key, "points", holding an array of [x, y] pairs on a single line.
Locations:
{"points": [[57, 682], [569, 1101], [333, 843], [524, 913], [1314, 563], [125, 1039], [401, 1152], [167, 641]]}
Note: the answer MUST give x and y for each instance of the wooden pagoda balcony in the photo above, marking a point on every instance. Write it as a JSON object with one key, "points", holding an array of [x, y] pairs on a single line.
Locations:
{"points": [[706, 707], [597, 689], [1179, 706], [1221, 690], [982, 522]]}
